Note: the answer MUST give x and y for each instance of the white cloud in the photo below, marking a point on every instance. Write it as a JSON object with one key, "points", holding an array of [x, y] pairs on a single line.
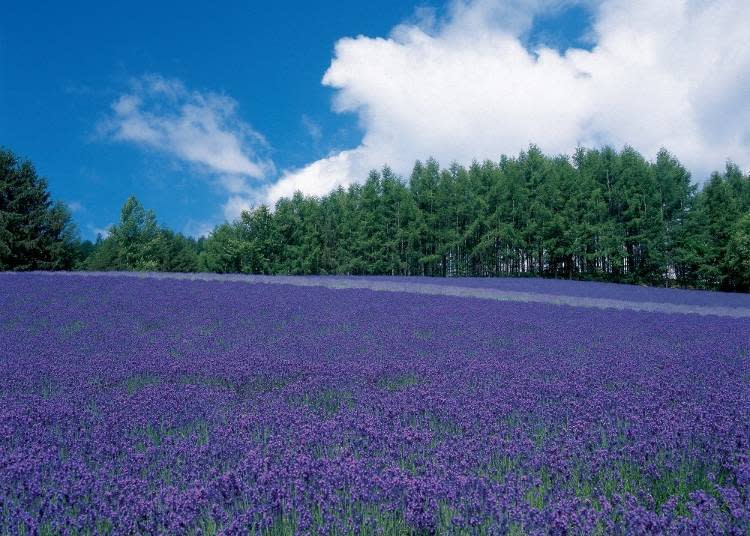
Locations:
{"points": [[75, 206], [673, 73], [313, 129], [197, 229], [235, 205], [103, 231], [324, 175], [202, 129]]}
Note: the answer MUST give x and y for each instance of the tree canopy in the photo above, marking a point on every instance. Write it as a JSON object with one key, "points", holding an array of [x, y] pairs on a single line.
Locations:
{"points": [[137, 243], [599, 214], [36, 233]]}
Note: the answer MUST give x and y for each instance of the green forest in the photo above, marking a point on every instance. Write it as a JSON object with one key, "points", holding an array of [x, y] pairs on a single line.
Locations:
{"points": [[600, 214]]}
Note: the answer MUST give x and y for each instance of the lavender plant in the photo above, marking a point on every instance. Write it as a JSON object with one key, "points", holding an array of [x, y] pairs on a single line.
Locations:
{"points": [[163, 406]]}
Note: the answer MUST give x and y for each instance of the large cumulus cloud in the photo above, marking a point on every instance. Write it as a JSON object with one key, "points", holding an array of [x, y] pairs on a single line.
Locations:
{"points": [[673, 73]]}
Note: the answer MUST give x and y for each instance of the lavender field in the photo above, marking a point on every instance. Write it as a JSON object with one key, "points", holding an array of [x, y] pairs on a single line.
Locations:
{"points": [[143, 405]]}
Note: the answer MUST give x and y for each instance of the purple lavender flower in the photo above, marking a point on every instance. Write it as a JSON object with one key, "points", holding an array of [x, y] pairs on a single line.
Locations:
{"points": [[163, 406]]}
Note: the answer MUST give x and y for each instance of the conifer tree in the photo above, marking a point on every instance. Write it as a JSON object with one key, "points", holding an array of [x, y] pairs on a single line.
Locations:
{"points": [[35, 232]]}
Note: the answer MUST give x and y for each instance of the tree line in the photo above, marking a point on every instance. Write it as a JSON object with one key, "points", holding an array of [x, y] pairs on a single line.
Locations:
{"points": [[37, 233], [601, 214]]}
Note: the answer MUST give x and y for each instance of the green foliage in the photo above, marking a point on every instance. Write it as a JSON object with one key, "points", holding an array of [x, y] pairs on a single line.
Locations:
{"points": [[137, 243], [600, 215], [35, 232], [738, 254], [245, 246]]}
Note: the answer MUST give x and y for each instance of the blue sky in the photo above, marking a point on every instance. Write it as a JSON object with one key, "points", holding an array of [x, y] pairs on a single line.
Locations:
{"points": [[77, 78], [62, 65]]}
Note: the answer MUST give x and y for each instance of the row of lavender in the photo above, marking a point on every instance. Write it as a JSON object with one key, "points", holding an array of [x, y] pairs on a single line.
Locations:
{"points": [[582, 289], [146, 406]]}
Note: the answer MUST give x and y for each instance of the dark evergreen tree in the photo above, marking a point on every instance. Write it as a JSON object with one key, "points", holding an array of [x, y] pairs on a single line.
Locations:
{"points": [[35, 232]]}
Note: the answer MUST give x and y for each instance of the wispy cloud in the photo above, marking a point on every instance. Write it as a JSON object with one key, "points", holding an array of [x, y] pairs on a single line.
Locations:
{"points": [[312, 128], [75, 206], [95, 231], [199, 128], [197, 228]]}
